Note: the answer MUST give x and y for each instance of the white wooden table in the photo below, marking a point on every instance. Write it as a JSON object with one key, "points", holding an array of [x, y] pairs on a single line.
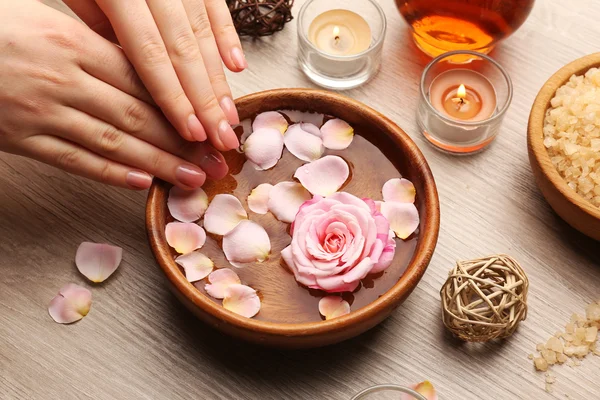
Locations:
{"points": [[139, 342]]}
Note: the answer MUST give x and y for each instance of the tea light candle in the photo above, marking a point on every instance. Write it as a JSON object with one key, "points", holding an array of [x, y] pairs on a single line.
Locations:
{"points": [[340, 32]]}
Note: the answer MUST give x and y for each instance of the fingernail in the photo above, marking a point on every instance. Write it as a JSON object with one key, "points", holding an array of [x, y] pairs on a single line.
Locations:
{"points": [[138, 180], [228, 136], [238, 58], [215, 166], [196, 129], [228, 107], [190, 175]]}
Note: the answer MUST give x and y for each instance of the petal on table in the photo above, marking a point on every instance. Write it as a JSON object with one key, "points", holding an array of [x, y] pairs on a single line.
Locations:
{"points": [[399, 189], [258, 200], [270, 119], [187, 205], [71, 304], [285, 200], [223, 214], [196, 265], [333, 307], [337, 134], [220, 280], [185, 237], [309, 117], [248, 242], [323, 176], [403, 217], [303, 144], [97, 261], [246, 126], [242, 300], [264, 147]]}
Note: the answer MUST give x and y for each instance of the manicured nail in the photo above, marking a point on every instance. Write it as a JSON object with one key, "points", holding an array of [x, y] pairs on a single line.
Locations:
{"points": [[238, 58], [214, 165], [190, 175], [138, 180], [196, 129], [228, 107], [228, 136]]}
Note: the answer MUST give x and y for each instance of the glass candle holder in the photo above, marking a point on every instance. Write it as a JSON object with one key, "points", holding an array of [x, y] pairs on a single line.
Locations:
{"points": [[463, 120], [334, 57], [386, 392]]}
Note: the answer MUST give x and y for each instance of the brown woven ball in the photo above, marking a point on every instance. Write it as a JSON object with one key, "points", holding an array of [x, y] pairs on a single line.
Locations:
{"points": [[260, 17], [485, 299]]}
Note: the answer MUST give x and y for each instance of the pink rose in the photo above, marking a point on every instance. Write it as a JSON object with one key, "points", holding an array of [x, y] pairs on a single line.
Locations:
{"points": [[337, 241]]}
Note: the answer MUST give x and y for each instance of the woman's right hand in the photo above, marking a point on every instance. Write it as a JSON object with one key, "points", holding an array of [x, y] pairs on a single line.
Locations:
{"points": [[70, 98]]}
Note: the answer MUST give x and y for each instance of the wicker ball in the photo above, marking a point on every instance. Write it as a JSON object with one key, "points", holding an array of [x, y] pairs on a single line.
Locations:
{"points": [[485, 299], [260, 17]]}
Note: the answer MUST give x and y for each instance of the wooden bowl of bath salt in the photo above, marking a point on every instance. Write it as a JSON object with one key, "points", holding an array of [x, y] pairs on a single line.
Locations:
{"points": [[289, 315], [564, 134]]}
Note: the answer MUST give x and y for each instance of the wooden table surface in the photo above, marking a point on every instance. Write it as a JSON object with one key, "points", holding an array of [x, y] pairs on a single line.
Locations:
{"points": [[139, 342]]}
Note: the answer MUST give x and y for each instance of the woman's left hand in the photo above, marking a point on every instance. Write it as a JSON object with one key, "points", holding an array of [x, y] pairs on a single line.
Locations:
{"points": [[176, 47]]}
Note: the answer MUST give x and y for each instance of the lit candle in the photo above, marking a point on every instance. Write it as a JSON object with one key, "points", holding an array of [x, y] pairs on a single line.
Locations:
{"points": [[463, 95], [340, 32]]}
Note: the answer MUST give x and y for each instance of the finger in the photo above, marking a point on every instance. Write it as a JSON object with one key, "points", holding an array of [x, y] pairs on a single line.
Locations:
{"points": [[138, 34], [144, 122], [227, 38], [183, 50], [89, 12], [79, 161], [198, 18]]}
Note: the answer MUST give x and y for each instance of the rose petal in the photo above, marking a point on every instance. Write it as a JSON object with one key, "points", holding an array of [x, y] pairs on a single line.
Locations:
{"points": [[337, 134], [323, 176], [248, 242], [333, 307], [185, 237], [187, 205], [264, 147], [387, 255], [223, 214], [196, 265], [242, 300], [271, 120], [303, 144], [258, 200], [309, 117], [220, 280], [285, 200], [401, 190], [424, 388], [72, 303], [97, 261], [246, 126], [403, 217]]}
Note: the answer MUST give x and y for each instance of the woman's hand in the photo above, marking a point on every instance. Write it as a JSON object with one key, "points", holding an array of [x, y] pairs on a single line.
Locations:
{"points": [[70, 98], [176, 47]]}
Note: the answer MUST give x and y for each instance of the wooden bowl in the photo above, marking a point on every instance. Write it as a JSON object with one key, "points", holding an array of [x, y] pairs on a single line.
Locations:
{"points": [[567, 203], [373, 131]]}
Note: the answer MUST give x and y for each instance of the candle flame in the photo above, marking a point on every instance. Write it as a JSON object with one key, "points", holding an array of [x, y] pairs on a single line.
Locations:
{"points": [[461, 92], [336, 32]]}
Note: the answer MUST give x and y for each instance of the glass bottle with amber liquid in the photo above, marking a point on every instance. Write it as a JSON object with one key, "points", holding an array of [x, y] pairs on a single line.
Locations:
{"points": [[439, 26]]}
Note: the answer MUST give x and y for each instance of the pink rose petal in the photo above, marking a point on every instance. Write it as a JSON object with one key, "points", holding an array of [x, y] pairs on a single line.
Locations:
{"points": [[223, 214], [185, 237], [187, 205], [333, 307], [97, 261], [308, 117], [285, 200], [323, 176], [248, 242], [71, 304], [264, 147], [424, 388], [401, 190], [196, 265], [387, 255], [220, 280], [337, 134], [246, 129], [403, 217], [258, 200], [271, 120], [303, 144], [242, 300]]}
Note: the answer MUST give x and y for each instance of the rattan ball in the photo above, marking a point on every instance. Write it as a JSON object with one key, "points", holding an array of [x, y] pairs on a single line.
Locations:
{"points": [[485, 299], [260, 17]]}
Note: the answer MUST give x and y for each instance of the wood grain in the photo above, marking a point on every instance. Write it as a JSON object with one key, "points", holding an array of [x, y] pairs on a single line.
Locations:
{"points": [[138, 342]]}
